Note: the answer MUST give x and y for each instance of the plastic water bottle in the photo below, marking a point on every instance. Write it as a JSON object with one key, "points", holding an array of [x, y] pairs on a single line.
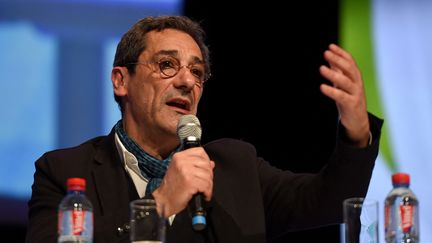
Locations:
{"points": [[75, 214], [401, 212]]}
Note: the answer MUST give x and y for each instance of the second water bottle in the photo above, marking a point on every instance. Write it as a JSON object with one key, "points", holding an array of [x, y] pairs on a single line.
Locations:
{"points": [[401, 212]]}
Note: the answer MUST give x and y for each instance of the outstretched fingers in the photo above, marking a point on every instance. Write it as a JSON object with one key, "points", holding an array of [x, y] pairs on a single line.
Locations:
{"points": [[347, 91], [338, 79], [341, 61]]}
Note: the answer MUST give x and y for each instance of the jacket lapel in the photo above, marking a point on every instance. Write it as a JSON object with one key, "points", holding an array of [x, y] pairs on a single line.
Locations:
{"points": [[113, 187]]}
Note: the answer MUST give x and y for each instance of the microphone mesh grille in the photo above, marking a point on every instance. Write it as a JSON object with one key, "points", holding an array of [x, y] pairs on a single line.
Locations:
{"points": [[189, 125]]}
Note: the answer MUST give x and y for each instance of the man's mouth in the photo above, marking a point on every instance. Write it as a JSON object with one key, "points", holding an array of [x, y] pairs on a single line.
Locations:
{"points": [[179, 103]]}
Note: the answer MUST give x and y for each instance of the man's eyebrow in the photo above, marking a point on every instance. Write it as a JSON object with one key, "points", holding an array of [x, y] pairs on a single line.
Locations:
{"points": [[167, 53], [174, 53], [197, 60]]}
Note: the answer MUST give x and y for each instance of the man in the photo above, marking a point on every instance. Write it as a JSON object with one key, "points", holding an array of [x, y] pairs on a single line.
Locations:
{"points": [[160, 68]]}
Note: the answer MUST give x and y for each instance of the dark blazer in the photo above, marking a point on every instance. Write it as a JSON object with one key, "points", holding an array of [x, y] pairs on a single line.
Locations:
{"points": [[252, 201]]}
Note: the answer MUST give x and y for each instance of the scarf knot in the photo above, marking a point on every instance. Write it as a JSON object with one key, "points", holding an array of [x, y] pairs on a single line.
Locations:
{"points": [[151, 168]]}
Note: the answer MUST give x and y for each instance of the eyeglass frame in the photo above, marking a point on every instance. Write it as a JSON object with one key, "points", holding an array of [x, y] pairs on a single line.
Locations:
{"points": [[189, 66]]}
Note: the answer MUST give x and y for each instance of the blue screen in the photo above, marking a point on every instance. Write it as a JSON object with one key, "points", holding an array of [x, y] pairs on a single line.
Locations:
{"points": [[55, 65]]}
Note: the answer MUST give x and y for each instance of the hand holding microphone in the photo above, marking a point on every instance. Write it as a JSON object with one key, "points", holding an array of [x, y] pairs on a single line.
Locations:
{"points": [[189, 132], [189, 177]]}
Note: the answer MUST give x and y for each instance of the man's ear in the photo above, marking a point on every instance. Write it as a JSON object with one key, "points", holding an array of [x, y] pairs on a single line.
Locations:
{"points": [[119, 78]]}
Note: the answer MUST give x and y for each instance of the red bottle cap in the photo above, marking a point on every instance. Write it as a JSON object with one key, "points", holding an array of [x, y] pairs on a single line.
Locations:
{"points": [[400, 178], [76, 184]]}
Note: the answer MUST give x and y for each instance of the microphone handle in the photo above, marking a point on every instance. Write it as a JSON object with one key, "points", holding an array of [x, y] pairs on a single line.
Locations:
{"points": [[196, 204], [198, 213]]}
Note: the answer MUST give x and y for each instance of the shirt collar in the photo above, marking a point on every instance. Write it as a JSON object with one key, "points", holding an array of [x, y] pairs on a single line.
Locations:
{"points": [[128, 159]]}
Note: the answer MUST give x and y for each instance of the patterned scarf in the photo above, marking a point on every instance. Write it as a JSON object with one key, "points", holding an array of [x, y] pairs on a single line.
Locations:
{"points": [[151, 168]]}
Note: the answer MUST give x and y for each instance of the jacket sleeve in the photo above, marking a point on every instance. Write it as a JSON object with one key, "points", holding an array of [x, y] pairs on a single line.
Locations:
{"points": [[46, 196], [300, 201]]}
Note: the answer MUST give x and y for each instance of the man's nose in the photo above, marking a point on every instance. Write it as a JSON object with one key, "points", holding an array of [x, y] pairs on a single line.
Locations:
{"points": [[185, 78]]}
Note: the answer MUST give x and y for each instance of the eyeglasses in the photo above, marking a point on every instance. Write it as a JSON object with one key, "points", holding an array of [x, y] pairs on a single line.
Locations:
{"points": [[170, 66]]}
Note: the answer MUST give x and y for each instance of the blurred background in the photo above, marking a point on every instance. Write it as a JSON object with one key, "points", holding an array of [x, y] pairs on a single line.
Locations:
{"points": [[56, 57]]}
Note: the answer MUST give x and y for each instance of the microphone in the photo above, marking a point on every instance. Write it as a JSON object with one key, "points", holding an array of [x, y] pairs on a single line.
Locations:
{"points": [[189, 132]]}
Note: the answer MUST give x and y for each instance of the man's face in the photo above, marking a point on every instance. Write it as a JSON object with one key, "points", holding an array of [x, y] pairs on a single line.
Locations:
{"points": [[156, 100]]}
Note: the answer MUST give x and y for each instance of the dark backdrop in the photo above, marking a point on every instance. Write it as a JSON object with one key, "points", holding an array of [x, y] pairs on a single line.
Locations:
{"points": [[265, 83]]}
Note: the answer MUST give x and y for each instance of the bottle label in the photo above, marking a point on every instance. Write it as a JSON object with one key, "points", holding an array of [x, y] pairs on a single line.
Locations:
{"points": [[78, 221], [386, 217], [407, 215], [75, 223]]}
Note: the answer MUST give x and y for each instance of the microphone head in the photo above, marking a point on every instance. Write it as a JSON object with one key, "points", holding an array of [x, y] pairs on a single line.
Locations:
{"points": [[189, 126]]}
